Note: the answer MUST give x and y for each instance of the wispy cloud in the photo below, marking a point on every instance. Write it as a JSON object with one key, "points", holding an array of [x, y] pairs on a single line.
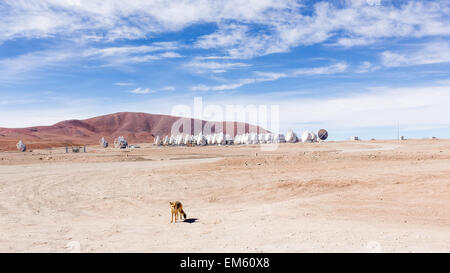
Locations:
{"points": [[124, 83], [323, 70], [357, 23], [22, 66], [121, 51], [110, 20], [425, 106], [141, 91], [168, 88], [272, 76], [356, 41], [365, 67], [438, 52], [257, 28], [19, 67], [170, 54], [133, 54], [214, 66]]}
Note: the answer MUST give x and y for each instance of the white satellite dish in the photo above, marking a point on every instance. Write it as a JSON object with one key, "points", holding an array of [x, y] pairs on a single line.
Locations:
{"points": [[237, 139], [307, 136], [187, 139], [261, 139], [120, 142], [291, 137], [20, 146], [179, 140], [279, 138], [220, 139], [242, 139], [157, 141], [103, 142], [276, 138], [248, 138], [201, 140], [253, 138], [208, 139], [228, 139]]}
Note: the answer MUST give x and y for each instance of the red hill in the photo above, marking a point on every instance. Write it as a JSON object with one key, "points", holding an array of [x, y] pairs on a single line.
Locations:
{"points": [[135, 127]]}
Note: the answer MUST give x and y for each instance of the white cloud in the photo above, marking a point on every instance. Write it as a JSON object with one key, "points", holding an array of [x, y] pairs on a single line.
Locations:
{"points": [[443, 82], [221, 87], [323, 70], [15, 68], [133, 54], [429, 54], [124, 83], [120, 51], [350, 42], [258, 27], [226, 36], [213, 57], [272, 76], [214, 66], [121, 19], [412, 107], [409, 106], [170, 54], [22, 66], [168, 88], [365, 67], [357, 23], [141, 91]]}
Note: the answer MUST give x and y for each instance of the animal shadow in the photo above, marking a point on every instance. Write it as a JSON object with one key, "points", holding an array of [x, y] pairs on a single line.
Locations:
{"points": [[190, 220]]}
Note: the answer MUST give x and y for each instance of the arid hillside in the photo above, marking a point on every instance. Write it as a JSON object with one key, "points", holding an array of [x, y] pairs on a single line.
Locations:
{"points": [[136, 127]]}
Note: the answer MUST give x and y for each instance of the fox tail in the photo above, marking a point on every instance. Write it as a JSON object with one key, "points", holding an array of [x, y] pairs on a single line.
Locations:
{"points": [[183, 213]]}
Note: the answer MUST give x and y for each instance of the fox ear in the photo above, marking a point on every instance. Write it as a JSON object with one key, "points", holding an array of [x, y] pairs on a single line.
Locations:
{"points": [[170, 202]]}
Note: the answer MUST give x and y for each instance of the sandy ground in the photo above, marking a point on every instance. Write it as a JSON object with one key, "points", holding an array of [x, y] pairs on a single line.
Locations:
{"points": [[370, 196]]}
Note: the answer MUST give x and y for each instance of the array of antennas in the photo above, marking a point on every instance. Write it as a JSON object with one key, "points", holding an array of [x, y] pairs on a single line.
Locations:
{"points": [[200, 139], [20, 146], [247, 138], [120, 142]]}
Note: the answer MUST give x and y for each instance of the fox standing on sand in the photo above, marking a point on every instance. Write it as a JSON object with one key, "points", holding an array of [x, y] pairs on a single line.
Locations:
{"points": [[175, 208]]}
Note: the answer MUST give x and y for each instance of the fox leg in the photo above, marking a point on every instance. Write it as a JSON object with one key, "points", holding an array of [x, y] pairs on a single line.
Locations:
{"points": [[182, 215]]}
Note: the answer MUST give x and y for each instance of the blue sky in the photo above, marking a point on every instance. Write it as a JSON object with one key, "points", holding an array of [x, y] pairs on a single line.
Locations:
{"points": [[356, 67]]}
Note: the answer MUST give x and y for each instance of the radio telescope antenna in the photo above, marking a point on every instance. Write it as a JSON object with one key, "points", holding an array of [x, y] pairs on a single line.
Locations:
{"points": [[20, 146]]}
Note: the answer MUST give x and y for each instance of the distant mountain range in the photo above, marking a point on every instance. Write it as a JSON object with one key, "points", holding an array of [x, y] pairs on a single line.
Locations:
{"points": [[135, 127]]}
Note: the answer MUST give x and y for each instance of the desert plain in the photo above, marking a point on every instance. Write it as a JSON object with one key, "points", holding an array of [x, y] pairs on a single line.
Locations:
{"points": [[344, 196]]}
